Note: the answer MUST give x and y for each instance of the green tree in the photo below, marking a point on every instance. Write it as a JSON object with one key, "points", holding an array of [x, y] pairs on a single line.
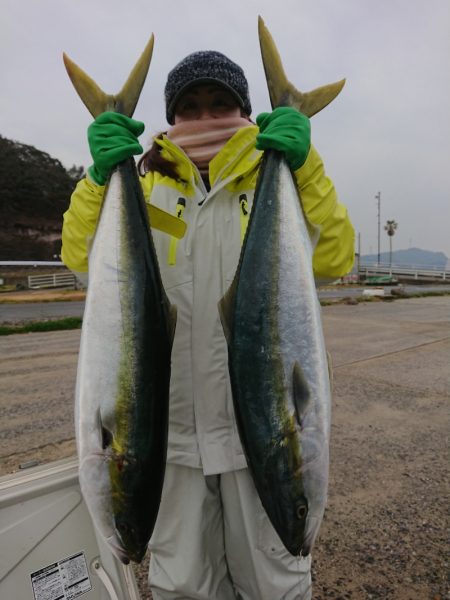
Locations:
{"points": [[35, 191]]}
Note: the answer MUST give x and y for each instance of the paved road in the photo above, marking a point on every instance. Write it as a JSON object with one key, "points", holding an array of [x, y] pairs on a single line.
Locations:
{"points": [[35, 311], [37, 371]]}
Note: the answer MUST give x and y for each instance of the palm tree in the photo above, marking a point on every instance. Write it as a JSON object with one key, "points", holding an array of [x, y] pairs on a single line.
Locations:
{"points": [[390, 228]]}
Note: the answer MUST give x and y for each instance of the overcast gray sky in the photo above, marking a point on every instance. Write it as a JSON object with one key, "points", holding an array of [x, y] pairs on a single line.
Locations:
{"points": [[388, 131]]}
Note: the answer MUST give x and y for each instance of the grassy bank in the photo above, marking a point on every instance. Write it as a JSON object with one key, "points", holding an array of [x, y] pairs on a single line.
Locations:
{"points": [[34, 326]]}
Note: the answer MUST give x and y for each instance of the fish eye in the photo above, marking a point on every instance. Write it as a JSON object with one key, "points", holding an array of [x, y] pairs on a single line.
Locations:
{"points": [[124, 526], [302, 510]]}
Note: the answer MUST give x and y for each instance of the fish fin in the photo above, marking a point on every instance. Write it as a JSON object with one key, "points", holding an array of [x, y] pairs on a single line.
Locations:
{"points": [[314, 101], [128, 96], [301, 393], [281, 91], [96, 100], [106, 435], [107, 438], [166, 222], [330, 370], [226, 309], [93, 97]]}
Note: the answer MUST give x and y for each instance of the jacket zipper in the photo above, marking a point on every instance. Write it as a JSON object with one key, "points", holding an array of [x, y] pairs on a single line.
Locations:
{"points": [[181, 205]]}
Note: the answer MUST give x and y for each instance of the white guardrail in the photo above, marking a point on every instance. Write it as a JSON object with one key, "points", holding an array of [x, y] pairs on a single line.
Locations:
{"points": [[413, 271], [62, 279], [53, 280]]}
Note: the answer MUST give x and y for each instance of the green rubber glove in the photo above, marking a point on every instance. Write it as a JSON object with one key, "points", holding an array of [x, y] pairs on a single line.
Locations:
{"points": [[287, 130], [112, 138]]}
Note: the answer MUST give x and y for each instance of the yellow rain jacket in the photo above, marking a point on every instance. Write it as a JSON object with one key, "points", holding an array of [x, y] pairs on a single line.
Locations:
{"points": [[198, 269]]}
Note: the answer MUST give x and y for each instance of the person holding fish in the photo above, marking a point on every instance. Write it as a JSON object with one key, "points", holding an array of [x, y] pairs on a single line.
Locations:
{"points": [[212, 538]]}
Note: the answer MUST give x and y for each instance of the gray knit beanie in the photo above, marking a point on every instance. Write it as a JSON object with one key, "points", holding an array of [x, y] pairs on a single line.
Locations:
{"points": [[202, 67]]}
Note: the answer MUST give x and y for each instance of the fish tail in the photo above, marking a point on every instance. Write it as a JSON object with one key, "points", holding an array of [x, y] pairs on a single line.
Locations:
{"points": [[96, 100], [282, 92]]}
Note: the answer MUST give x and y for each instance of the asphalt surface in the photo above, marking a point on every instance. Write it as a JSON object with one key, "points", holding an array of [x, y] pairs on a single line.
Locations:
{"points": [[40, 368], [35, 311]]}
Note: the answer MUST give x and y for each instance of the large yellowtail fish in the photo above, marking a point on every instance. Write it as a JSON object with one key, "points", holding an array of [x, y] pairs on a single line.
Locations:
{"points": [[122, 391], [277, 358]]}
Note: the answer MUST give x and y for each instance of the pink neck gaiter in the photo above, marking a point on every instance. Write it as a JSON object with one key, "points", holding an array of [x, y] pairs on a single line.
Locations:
{"points": [[202, 139]]}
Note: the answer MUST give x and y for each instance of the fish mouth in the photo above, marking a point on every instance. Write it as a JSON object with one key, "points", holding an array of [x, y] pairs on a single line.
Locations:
{"points": [[305, 550], [133, 537], [137, 555], [311, 531], [135, 551], [116, 546]]}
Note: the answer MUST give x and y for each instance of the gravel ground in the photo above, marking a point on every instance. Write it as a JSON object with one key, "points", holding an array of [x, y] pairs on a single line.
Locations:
{"points": [[385, 533]]}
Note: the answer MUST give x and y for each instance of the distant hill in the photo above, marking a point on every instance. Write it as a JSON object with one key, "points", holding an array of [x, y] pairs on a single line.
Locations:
{"points": [[35, 191], [412, 256]]}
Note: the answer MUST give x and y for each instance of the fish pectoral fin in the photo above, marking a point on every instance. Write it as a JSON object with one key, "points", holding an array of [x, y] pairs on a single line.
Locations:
{"points": [[107, 438], [164, 221], [226, 309], [301, 392], [330, 370], [106, 435], [281, 91], [96, 101]]}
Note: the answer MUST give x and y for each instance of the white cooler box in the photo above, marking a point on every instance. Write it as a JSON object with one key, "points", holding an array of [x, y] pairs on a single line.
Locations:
{"points": [[49, 549]]}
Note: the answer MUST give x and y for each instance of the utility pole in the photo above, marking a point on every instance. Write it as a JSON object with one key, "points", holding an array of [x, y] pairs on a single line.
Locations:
{"points": [[358, 266], [378, 197]]}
